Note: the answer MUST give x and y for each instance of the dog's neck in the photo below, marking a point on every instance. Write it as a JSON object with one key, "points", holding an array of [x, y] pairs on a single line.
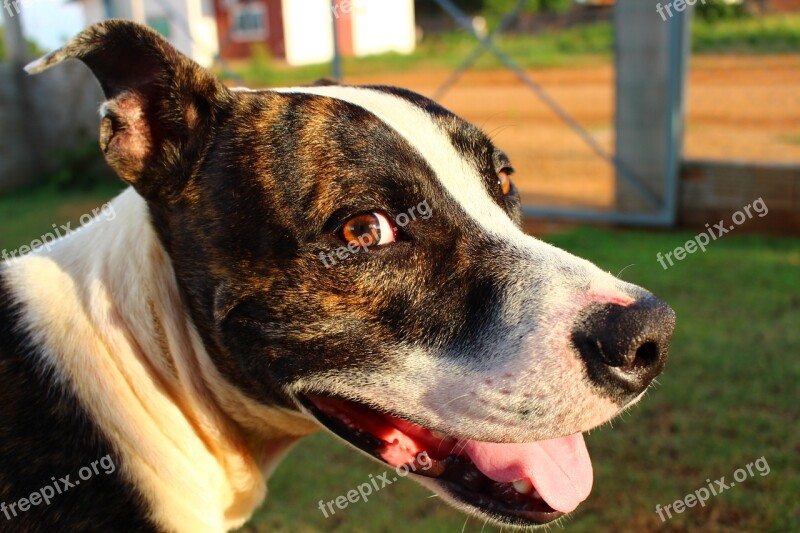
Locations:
{"points": [[104, 306]]}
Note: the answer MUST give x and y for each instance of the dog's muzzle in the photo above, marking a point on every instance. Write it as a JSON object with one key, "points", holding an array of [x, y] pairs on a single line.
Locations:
{"points": [[624, 347]]}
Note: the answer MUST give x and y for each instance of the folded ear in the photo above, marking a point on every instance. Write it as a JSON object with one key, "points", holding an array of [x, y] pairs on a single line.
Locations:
{"points": [[324, 82], [161, 105]]}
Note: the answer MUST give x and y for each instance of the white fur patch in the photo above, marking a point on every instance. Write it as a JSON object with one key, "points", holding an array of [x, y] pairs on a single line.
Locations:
{"points": [[103, 305], [459, 177]]}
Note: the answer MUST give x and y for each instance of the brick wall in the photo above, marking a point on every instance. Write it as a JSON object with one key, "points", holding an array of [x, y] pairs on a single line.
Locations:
{"points": [[714, 190], [784, 5]]}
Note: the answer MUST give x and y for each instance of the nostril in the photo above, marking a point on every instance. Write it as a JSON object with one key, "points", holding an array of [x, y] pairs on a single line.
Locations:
{"points": [[646, 355], [624, 347], [608, 354]]}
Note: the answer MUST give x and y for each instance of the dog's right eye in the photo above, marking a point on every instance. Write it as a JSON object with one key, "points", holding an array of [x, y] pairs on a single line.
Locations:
{"points": [[504, 180], [368, 229]]}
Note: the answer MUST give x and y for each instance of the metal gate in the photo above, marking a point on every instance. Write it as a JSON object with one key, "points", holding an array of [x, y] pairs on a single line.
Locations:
{"points": [[646, 175]]}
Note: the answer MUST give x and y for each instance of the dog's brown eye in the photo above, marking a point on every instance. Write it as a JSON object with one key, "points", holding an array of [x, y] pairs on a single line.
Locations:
{"points": [[367, 230], [504, 180]]}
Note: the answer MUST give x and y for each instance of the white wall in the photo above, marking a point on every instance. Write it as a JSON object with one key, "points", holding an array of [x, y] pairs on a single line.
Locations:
{"points": [[205, 45], [308, 31], [378, 26], [93, 11], [192, 26], [381, 26], [193, 29]]}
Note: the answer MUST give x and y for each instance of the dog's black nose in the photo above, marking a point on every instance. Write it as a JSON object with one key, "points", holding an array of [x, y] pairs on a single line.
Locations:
{"points": [[624, 348]]}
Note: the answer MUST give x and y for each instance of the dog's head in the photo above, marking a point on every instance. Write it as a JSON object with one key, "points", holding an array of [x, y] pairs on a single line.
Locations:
{"points": [[354, 254]]}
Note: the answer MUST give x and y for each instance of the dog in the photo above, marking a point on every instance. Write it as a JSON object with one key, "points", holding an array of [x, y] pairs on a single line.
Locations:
{"points": [[284, 261]]}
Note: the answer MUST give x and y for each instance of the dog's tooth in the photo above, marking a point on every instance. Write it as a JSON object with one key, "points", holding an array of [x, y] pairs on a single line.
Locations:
{"points": [[523, 486], [536, 495]]}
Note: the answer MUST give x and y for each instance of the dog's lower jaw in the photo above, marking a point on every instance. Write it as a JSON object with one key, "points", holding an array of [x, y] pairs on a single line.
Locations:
{"points": [[197, 449]]}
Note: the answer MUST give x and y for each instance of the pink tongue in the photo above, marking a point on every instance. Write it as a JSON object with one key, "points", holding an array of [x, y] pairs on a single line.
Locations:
{"points": [[560, 469]]}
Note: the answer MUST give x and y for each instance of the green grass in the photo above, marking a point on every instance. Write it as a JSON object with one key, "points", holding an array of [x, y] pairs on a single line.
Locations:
{"points": [[29, 214], [771, 34], [792, 138], [585, 45], [728, 396]]}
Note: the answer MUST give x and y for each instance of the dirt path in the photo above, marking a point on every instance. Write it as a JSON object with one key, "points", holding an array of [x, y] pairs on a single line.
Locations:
{"points": [[739, 108]]}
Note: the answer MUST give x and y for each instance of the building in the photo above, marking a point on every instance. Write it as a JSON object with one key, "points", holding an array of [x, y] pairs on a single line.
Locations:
{"points": [[301, 31], [297, 31], [190, 25]]}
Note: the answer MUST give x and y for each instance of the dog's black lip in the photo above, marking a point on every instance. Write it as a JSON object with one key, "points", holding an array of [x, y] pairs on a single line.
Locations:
{"points": [[486, 505], [496, 510], [366, 443]]}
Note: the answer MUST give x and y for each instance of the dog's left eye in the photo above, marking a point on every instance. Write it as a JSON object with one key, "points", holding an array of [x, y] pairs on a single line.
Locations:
{"points": [[504, 180], [368, 229]]}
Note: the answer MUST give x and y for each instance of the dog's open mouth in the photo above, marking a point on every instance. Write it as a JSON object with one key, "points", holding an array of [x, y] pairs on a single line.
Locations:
{"points": [[518, 484]]}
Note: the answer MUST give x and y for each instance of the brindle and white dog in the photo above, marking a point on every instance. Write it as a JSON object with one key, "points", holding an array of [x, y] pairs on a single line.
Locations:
{"points": [[191, 341]]}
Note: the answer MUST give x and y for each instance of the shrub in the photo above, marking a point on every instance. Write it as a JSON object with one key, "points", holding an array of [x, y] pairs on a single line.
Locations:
{"points": [[81, 167]]}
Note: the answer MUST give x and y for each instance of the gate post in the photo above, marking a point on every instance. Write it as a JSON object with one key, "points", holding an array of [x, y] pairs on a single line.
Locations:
{"points": [[652, 44]]}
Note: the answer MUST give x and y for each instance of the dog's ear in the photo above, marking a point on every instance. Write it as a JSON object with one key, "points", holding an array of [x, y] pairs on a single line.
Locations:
{"points": [[161, 106], [324, 82]]}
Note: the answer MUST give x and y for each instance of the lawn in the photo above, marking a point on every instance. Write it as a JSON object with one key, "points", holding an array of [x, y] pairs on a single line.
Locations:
{"points": [[582, 45], [729, 396], [29, 214]]}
